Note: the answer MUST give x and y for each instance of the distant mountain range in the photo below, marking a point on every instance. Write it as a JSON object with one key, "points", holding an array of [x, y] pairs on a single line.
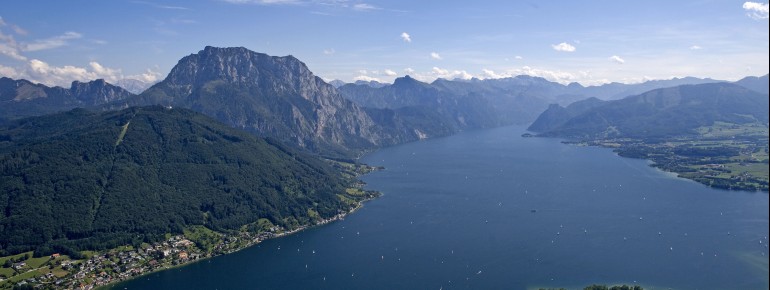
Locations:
{"points": [[479, 103], [22, 98], [337, 83], [457, 112], [657, 113], [279, 97], [133, 85]]}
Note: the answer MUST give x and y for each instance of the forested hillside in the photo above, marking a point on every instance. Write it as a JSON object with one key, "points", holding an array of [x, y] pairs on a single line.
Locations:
{"points": [[83, 180]]}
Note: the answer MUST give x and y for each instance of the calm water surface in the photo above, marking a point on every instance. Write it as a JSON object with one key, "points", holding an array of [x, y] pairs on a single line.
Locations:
{"points": [[492, 210]]}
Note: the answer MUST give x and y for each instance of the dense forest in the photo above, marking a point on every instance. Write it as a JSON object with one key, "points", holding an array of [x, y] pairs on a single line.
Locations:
{"points": [[82, 180]]}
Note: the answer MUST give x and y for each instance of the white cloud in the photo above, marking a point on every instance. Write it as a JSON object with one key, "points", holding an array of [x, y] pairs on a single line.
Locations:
{"points": [[554, 76], [329, 51], [149, 76], [435, 55], [6, 71], [366, 79], [364, 7], [757, 11], [409, 70], [490, 74], [566, 47], [406, 37], [617, 59], [39, 71], [518, 57], [695, 47], [450, 75], [53, 42], [389, 73], [363, 72]]}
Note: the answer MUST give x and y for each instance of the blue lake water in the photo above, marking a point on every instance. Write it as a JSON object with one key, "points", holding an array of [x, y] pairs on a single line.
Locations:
{"points": [[492, 210]]}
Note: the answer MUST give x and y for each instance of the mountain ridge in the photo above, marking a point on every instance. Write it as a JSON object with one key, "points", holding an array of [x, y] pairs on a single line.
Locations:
{"points": [[22, 98], [662, 112]]}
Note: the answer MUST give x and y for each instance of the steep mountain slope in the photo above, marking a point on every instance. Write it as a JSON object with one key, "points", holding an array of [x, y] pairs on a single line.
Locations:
{"points": [[88, 180], [272, 96], [556, 115], [22, 98], [666, 112]]}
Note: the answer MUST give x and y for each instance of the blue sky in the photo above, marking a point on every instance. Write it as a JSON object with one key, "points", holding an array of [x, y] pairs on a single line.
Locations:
{"points": [[590, 42]]}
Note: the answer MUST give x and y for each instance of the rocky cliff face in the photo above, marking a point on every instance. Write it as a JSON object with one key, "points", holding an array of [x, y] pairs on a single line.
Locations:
{"points": [[272, 96], [98, 92], [22, 98]]}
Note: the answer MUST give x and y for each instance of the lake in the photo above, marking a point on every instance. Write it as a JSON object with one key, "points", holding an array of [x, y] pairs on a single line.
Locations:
{"points": [[492, 210]]}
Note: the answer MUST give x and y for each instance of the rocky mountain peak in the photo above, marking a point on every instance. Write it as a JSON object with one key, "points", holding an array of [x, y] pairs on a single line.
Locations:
{"points": [[97, 92], [407, 81], [269, 95]]}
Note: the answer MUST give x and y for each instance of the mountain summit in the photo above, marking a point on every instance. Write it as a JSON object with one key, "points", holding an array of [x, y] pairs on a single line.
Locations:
{"points": [[268, 95]]}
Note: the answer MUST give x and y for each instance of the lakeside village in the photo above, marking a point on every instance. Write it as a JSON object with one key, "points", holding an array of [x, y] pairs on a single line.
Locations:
{"points": [[59, 271], [108, 267]]}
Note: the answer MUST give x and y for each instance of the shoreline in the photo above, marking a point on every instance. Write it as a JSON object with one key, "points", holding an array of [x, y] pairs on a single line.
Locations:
{"points": [[618, 147], [255, 242], [174, 252], [106, 268]]}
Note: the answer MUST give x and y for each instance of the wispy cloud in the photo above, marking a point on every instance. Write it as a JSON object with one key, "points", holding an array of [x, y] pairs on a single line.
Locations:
{"points": [[329, 51], [345, 4], [757, 11], [695, 47], [263, 2], [53, 42], [8, 45], [10, 48], [389, 73], [566, 47], [364, 7], [17, 29], [617, 59], [406, 37], [160, 6], [435, 55]]}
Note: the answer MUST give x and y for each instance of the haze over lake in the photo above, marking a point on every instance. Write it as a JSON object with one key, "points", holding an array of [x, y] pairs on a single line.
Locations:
{"points": [[492, 210]]}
